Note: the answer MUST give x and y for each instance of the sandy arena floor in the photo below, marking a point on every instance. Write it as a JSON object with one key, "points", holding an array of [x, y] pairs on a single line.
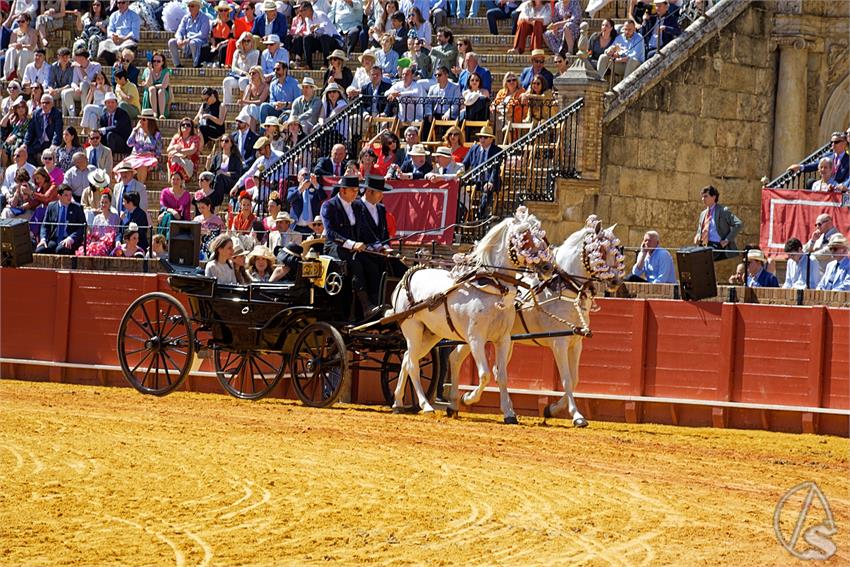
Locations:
{"points": [[95, 476]]}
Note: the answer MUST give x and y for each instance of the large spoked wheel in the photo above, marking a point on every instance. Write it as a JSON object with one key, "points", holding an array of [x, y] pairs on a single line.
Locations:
{"points": [[249, 374], [155, 344], [429, 375], [319, 365]]}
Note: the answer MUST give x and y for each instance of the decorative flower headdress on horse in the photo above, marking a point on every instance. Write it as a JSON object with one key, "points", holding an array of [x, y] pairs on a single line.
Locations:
{"points": [[528, 244], [597, 244]]}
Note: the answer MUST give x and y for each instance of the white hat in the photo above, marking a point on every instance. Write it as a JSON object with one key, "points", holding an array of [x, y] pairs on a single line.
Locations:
{"points": [[837, 240], [271, 39], [418, 150], [269, 5], [271, 121], [110, 96], [756, 254], [244, 116], [98, 178]]}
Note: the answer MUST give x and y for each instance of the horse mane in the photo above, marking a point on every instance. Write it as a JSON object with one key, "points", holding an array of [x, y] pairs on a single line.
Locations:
{"points": [[486, 251]]}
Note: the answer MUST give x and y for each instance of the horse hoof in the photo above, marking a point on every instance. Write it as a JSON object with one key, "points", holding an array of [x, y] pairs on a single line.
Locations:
{"points": [[398, 410], [511, 420], [547, 413], [450, 412], [580, 422]]}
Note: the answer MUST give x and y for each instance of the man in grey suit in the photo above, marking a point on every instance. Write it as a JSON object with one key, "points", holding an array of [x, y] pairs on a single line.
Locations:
{"points": [[97, 154], [718, 226]]}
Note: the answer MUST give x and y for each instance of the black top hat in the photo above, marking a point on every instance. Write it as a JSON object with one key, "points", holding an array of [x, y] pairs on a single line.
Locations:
{"points": [[376, 183], [350, 181]]}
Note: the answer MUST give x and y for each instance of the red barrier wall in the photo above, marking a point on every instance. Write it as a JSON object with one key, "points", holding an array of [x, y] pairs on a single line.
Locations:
{"points": [[762, 354]]}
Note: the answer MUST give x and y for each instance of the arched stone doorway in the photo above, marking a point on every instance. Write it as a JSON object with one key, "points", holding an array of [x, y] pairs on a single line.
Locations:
{"points": [[836, 113]]}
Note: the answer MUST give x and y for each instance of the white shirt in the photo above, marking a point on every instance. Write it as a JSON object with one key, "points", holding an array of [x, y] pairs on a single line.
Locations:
{"points": [[795, 273], [9, 176], [266, 162], [414, 110], [34, 76], [373, 210], [324, 23]]}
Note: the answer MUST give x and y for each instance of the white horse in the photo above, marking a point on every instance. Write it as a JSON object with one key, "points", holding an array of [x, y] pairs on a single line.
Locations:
{"points": [[473, 310], [588, 257]]}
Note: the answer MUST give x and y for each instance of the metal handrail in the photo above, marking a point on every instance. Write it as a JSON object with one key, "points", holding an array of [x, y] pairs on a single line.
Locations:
{"points": [[797, 179]]}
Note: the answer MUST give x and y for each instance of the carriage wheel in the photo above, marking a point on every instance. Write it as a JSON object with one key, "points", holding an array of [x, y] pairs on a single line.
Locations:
{"points": [[319, 365], [249, 374], [429, 374], [155, 344]]}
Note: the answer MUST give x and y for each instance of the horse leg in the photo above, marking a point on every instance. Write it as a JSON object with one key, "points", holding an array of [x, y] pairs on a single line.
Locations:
{"points": [[567, 357], [479, 354], [456, 358], [398, 394], [412, 332], [503, 355], [429, 340]]}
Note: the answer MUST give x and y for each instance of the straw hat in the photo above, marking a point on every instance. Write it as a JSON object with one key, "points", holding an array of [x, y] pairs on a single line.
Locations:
{"points": [[338, 54], [443, 151], [238, 248], [418, 150], [148, 114], [244, 116], [223, 6], [308, 82], [122, 167], [271, 121], [98, 178], [261, 251], [538, 53], [757, 255], [271, 39], [269, 5], [837, 240], [334, 87], [283, 216], [368, 53], [486, 132], [261, 142]]}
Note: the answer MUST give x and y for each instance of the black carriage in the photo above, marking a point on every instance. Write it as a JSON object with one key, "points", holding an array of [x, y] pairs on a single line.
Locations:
{"points": [[262, 333]]}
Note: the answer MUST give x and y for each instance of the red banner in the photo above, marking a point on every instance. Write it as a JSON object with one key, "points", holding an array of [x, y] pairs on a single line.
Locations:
{"points": [[792, 213], [420, 205]]}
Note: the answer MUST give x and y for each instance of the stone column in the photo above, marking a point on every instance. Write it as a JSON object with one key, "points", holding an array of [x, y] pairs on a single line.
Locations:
{"points": [[582, 81], [789, 136]]}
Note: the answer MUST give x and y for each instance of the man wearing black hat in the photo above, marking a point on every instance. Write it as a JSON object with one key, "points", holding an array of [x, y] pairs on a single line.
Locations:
{"points": [[342, 237]]}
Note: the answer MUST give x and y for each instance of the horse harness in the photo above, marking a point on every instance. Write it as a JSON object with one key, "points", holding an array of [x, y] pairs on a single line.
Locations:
{"points": [[564, 282]]}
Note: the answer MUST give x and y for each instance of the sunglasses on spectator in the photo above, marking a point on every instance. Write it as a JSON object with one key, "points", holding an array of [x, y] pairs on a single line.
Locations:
{"points": [[46, 158], [185, 125], [454, 133], [156, 60], [14, 88], [511, 80]]}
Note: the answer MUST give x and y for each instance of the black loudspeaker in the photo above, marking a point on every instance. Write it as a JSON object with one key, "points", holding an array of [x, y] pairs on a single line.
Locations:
{"points": [[15, 243], [696, 273], [184, 244]]}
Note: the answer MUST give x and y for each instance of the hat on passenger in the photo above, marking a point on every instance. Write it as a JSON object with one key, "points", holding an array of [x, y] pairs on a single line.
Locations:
{"points": [[238, 248], [349, 182], [376, 183], [261, 251], [757, 255], [98, 178], [837, 240]]}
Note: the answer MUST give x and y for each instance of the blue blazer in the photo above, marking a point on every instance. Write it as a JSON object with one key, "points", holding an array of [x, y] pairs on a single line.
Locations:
{"points": [[649, 30], [296, 201], [527, 75], [840, 176], [367, 231], [279, 27], [369, 91], [478, 155], [337, 225], [35, 130], [139, 217], [75, 222], [249, 153]]}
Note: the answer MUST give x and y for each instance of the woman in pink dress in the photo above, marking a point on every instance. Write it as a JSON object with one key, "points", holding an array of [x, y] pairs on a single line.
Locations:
{"points": [[175, 200], [100, 239], [185, 148], [146, 144]]}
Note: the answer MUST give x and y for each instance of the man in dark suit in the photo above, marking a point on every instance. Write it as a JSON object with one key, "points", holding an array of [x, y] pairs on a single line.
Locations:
{"points": [[718, 226], [63, 229], [661, 28], [45, 129], [487, 182], [342, 238], [115, 125], [305, 199], [839, 157], [416, 165], [243, 138], [333, 166], [374, 93]]}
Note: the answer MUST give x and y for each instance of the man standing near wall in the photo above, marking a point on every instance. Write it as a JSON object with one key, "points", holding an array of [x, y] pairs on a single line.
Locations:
{"points": [[718, 226]]}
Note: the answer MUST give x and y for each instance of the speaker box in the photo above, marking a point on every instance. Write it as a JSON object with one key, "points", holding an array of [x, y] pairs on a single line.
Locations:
{"points": [[15, 243], [696, 273], [184, 244]]}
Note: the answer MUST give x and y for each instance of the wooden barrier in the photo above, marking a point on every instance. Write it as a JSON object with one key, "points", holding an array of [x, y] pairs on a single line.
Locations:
{"points": [[772, 367]]}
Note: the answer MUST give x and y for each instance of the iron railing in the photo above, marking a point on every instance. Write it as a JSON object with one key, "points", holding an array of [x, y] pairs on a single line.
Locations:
{"points": [[526, 170], [796, 180]]}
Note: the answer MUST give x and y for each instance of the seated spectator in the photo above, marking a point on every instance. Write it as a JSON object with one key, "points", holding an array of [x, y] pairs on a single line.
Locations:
{"points": [[660, 28], [445, 167], [133, 215], [256, 93], [539, 100], [241, 244], [260, 263], [337, 71], [61, 74], [445, 53], [219, 266], [826, 182], [103, 229], [221, 32], [307, 107], [127, 183], [314, 31], [145, 142], [159, 247], [406, 94], [129, 246], [93, 109], [71, 144], [439, 14], [244, 138], [507, 106], [391, 155], [387, 57], [175, 201], [818, 244], [836, 277], [757, 275], [534, 17], [92, 26], [839, 157], [717, 226], [416, 166], [489, 182], [156, 86], [115, 126], [77, 176], [84, 73], [266, 158], [626, 52], [367, 160], [374, 93], [740, 275], [653, 264], [274, 53], [399, 32], [281, 235], [64, 225], [37, 72], [363, 74], [245, 57], [305, 200], [14, 126], [99, 155], [225, 165], [271, 22], [333, 102], [184, 150], [419, 24], [537, 67], [36, 93], [444, 96], [476, 101], [125, 63], [49, 163], [193, 34], [211, 223], [127, 94], [283, 90], [331, 166], [22, 45], [500, 10], [19, 161], [20, 200], [801, 272], [98, 181], [289, 258], [242, 26], [318, 226], [560, 65], [472, 66], [347, 17], [243, 221], [123, 32], [45, 129]]}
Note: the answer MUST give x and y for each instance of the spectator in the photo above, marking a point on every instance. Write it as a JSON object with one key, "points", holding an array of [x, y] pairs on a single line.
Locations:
{"points": [[800, 271], [103, 229], [84, 74], [827, 177], [273, 54], [227, 166], [501, 10], [274, 205], [407, 95], [382, 23], [653, 264], [115, 126], [306, 107], [184, 149], [243, 138], [92, 26], [314, 31], [387, 57], [45, 129], [464, 46], [626, 52], [221, 33], [243, 221], [20, 199], [93, 109], [156, 84], [123, 32], [256, 93], [35, 98], [445, 54], [661, 28], [717, 226], [159, 247], [193, 34], [507, 106], [367, 160], [175, 203], [472, 66], [292, 132], [333, 102], [419, 58], [64, 224], [818, 244], [337, 71], [271, 130], [534, 17], [488, 182], [19, 162], [61, 74], [125, 63], [245, 58], [211, 116], [211, 224], [97, 154], [399, 32], [266, 158], [271, 22], [14, 126], [562, 33], [134, 215], [836, 277], [560, 65], [455, 140], [374, 93], [537, 67], [44, 193], [70, 145], [446, 167], [50, 163], [347, 16], [305, 200], [21, 50], [600, 41], [539, 101], [283, 91], [52, 18], [219, 265], [146, 144], [416, 165], [838, 155], [757, 275], [241, 27], [279, 233], [261, 263], [126, 184], [332, 166], [14, 88], [391, 156], [127, 94], [37, 72], [363, 74], [77, 176], [420, 26], [129, 247], [97, 180], [444, 97], [476, 101]]}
